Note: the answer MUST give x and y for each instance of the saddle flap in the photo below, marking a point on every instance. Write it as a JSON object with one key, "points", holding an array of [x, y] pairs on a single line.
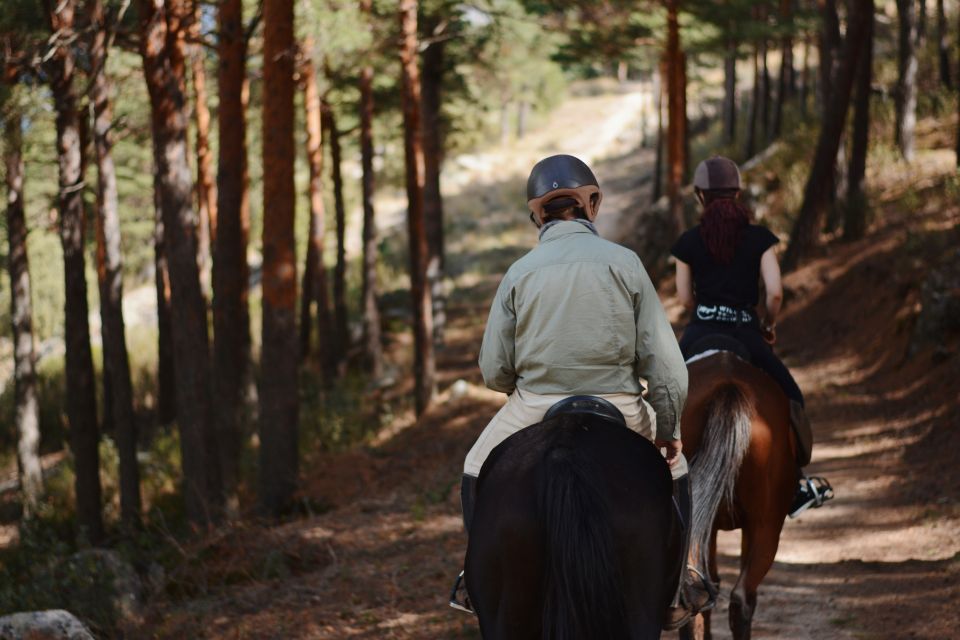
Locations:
{"points": [[588, 405], [718, 342]]}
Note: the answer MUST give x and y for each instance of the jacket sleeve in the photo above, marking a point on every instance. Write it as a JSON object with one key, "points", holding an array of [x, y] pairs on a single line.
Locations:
{"points": [[497, 362], [659, 360]]}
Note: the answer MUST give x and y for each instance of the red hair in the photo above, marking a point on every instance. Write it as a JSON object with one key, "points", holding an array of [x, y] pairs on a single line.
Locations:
{"points": [[723, 219]]}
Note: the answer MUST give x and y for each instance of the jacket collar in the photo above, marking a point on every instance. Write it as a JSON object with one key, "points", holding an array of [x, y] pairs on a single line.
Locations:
{"points": [[558, 228]]}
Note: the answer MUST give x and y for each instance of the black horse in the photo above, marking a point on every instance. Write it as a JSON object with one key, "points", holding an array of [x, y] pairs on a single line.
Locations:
{"points": [[574, 535]]}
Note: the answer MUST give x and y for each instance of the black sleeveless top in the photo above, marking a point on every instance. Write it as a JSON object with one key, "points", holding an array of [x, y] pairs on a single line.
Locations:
{"points": [[736, 284]]}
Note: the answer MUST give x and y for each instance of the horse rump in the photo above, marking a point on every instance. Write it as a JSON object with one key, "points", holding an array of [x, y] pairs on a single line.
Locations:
{"points": [[573, 535]]}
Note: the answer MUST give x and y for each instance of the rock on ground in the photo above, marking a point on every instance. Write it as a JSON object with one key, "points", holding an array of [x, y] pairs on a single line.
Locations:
{"points": [[55, 624]]}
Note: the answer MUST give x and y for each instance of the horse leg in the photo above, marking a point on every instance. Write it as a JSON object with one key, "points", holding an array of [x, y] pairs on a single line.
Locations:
{"points": [[715, 577], [758, 548]]}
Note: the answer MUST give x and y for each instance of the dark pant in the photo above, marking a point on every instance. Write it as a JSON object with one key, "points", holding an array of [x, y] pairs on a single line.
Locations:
{"points": [[468, 495], [760, 352]]}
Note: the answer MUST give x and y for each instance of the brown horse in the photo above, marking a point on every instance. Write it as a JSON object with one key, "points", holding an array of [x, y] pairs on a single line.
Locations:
{"points": [[736, 431]]}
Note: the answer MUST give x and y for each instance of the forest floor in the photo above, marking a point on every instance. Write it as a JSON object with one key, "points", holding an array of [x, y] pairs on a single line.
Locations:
{"points": [[880, 561]]}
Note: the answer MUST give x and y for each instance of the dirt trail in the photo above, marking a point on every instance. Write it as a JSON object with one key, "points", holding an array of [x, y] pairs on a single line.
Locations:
{"points": [[881, 561]]}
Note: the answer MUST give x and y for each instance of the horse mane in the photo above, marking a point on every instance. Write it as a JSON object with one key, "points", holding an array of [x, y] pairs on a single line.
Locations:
{"points": [[714, 468], [584, 595]]}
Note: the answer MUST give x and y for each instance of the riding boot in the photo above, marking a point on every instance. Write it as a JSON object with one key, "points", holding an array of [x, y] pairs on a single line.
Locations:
{"points": [[459, 598], [801, 427], [689, 598]]}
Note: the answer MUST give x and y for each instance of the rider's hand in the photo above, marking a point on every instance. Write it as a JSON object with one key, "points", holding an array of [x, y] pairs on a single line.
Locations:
{"points": [[673, 447], [769, 333]]}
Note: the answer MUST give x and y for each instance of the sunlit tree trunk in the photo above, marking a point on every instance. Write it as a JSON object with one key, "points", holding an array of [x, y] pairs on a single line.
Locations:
{"points": [[166, 389], [315, 272], [162, 40], [341, 340], [279, 409], [373, 352], [906, 98], [424, 367], [677, 115], [855, 213], [816, 199], [206, 186], [26, 410], [730, 92], [231, 274], [116, 360], [81, 392], [433, 140]]}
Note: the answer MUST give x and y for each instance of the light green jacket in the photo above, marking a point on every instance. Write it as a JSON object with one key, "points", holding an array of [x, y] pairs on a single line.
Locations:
{"points": [[579, 315]]}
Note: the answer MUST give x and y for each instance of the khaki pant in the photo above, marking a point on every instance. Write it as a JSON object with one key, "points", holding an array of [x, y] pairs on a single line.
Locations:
{"points": [[524, 408]]}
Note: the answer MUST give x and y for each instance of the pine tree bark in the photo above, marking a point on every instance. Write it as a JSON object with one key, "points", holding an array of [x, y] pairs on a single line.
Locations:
{"points": [[26, 412], [829, 44], [677, 116], [315, 272], [279, 384], [424, 367], [341, 342], [658, 162], [855, 213], [163, 25], [943, 46], [816, 199], [373, 351], [906, 98], [730, 92], [231, 274], [116, 360], [433, 154], [81, 392], [206, 186], [166, 388], [751, 144], [785, 84]]}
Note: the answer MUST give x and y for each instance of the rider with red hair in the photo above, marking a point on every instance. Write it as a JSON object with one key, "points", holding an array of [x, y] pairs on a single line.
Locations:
{"points": [[720, 263]]}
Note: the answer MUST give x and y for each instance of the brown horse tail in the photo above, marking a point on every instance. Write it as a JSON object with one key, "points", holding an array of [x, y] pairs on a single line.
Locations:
{"points": [[714, 468]]}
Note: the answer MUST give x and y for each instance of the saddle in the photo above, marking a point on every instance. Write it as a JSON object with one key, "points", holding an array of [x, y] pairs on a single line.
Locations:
{"points": [[717, 342], [587, 405]]}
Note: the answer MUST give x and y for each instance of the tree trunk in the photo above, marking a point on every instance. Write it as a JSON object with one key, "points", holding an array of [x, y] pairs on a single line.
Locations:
{"points": [[957, 150], [855, 218], [829, 44], [805, 77], [278, 386], [166, 387], [785, 84], [26, 412], [81, 392], [658, 162], [921, 31], [943, 46], [816, 198], [765, 91], [433, 154], [906, 102], [677, 116], [231, 274], [314, 273], [373, 351], [341, 340], [206, 187], [730, 93], [424, 368], [163, 26], [751, 145], [116, 360]]}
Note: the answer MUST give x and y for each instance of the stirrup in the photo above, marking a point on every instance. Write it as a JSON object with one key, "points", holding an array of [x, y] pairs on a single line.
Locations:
{"points": [[708, 586], [813, 492], [459, 599]]}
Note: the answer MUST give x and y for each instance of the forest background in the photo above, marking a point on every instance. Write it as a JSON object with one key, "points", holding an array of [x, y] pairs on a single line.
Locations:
{"points": [[230, 253]]}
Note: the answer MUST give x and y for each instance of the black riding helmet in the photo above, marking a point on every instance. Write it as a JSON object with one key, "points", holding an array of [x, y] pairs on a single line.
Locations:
{"points": [[563, 177]]}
